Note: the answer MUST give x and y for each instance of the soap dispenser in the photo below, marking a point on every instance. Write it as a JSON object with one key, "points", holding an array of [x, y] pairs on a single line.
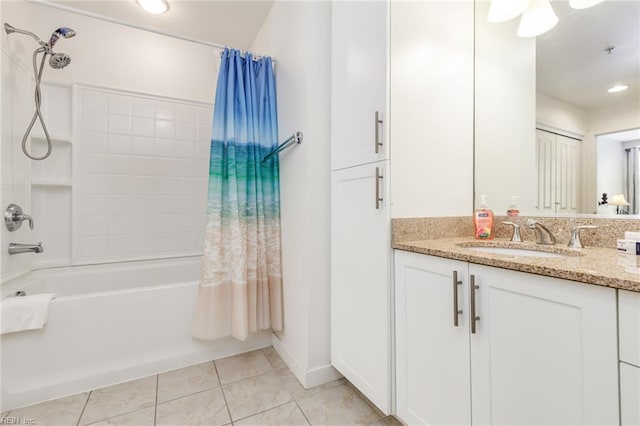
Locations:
{"points": [[483, 220], [513, 209]]}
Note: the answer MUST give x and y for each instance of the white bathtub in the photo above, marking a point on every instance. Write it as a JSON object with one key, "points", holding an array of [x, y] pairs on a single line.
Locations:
{"points": [[108, 324]]}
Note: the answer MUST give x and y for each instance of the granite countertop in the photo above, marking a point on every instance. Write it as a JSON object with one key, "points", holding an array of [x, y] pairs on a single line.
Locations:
{"points": [[592, 265]]}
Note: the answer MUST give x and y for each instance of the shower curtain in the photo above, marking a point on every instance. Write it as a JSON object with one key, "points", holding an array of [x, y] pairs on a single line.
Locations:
{"points": [[632, 181], [241, 286]]}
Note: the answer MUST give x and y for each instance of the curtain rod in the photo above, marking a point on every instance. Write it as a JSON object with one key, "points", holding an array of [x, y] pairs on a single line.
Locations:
{"points": [[130, 25]]}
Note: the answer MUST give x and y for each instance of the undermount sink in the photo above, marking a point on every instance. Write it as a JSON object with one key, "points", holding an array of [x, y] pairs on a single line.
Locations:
{"points": [[519, 252]]}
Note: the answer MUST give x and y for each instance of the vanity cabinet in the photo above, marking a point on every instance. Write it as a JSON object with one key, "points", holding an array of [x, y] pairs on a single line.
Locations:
{"points": [[541, 350], [629, 335]]}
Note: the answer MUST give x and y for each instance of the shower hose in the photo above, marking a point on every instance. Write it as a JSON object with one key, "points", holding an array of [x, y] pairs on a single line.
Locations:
{"points": [[37, 114]]}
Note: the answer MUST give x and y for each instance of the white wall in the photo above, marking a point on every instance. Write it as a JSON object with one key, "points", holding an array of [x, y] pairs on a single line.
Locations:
{"points": [[610, 169], [431, 108], [120, 58], [505, 148], [557, 115], [602, 121], [297, 35], [16, 114]]}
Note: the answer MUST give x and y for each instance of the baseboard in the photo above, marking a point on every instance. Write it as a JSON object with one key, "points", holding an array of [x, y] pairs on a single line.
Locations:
{"points": [[307, 378]]}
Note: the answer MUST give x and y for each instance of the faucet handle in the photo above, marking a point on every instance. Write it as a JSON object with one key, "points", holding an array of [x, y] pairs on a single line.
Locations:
{"points": [[13, 218], [574, 240], [515, 237], [23, 217]]}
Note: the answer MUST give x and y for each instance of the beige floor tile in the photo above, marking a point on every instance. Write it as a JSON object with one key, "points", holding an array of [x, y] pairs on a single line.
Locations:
{"points": [[241, 366], [144, 417], [297, 390], [120, 399], [186, 381], [365, 399], [285, 415], [339, 405], [63, 411], [274, 358], [255, 394], [387, 421], [204, 408]]}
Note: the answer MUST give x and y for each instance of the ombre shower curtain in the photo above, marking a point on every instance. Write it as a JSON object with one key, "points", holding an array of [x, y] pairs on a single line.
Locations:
{"points": [[241, 286]]}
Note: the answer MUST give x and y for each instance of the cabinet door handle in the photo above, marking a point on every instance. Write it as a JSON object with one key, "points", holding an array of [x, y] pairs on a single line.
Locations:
{"points": [[472, 302], [377, 124], [456, 310], [379, 177]]}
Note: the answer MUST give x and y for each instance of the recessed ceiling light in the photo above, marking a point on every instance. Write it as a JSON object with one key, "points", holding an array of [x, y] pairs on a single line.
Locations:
{"points": [[618, 88], [154, 6]]}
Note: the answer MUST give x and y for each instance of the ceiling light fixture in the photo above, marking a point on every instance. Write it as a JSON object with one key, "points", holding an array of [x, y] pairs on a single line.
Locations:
{"points": [[618, 88], [583, 4], [154, 6], [537, 19], [505, 10]]}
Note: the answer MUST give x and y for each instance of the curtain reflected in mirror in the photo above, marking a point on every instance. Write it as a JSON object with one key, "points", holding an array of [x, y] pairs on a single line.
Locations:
{"points": [[632, 189]]}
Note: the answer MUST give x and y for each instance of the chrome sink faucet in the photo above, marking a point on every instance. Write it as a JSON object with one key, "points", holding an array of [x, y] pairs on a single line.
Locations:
{"points": [[574, 241], [543, 234], [17, 248]]}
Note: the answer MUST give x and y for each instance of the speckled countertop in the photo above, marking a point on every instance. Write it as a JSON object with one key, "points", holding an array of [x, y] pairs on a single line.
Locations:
{"points": [[593, 265]]}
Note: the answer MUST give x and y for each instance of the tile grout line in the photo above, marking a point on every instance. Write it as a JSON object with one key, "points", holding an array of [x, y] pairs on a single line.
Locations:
{"points": [[84, 407], [269, 409], [302, 411], [155, 406], [226, 404]]}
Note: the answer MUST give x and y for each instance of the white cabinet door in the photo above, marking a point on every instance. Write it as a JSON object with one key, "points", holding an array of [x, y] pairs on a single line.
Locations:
{"points": [[360, 280], [567, 174], [629, 395], [629, 323], [558, 160], [432, 353], [544, 351], [359, 83], [545, 157]]}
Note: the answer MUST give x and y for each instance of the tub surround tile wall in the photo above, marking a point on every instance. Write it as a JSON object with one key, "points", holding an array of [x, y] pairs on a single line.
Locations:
{"points": [[142, 175], [15, 167], [611, 229], [264, 398]]}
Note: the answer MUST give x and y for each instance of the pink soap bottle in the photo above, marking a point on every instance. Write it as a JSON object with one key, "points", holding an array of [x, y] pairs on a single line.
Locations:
{"points": [[483, 220]]}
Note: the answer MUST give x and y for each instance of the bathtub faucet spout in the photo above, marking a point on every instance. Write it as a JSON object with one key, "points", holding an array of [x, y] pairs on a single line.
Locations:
{"points": [[17, 248]]}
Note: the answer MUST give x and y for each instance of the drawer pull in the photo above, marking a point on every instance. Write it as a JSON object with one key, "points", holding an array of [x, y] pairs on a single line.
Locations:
{"points": [[456, 310]]}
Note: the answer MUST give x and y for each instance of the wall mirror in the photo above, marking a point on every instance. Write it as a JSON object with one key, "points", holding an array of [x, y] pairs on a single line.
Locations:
{"points": [[546, 130]]}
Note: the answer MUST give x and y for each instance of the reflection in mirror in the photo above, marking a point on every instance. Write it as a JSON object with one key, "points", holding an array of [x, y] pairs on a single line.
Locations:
{"points": [[618, 172], [547, 130]]}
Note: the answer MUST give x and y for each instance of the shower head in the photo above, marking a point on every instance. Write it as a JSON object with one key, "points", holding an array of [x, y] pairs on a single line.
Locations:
{"points": [[63, 32], [59, 60]]}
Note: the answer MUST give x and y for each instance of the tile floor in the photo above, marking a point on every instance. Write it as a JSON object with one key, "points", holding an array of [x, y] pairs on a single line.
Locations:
{"points": [[255, 388]]}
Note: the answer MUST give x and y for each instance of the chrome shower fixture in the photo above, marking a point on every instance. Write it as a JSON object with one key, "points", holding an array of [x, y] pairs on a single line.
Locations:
{"points": [[63, 32], [56, 61]]}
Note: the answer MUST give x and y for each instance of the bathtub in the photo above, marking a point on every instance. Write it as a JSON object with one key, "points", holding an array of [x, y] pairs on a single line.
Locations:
{"points": [[108, 324]]}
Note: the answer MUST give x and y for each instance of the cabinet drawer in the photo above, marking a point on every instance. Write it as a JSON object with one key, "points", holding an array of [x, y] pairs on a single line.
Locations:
{"points": [[629, 324], [629, 394]]}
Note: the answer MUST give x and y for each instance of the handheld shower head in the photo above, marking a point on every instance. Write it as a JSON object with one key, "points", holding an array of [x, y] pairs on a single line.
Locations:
{"points": [[63, 32], [59, 60]]}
